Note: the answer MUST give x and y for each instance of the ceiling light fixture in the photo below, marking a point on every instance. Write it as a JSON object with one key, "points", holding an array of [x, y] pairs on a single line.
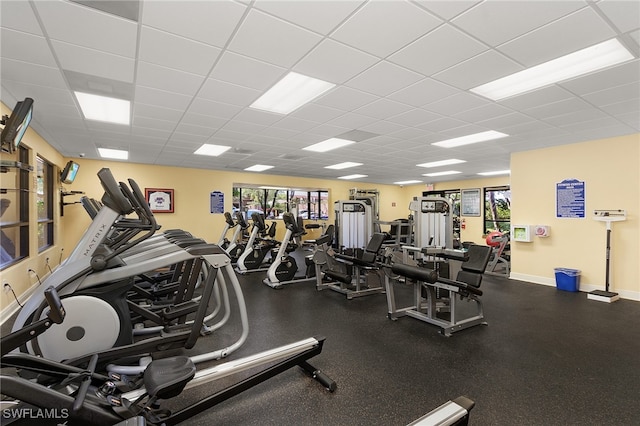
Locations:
{"points": [[594, 58], [290, 93], [441, 163], [352, 177], [495, 173], [258, 168], [211, 150], [117, 154], [448, 172], [407, 182], [469, 139], [328, 145], [102, 108], [344, 165]]}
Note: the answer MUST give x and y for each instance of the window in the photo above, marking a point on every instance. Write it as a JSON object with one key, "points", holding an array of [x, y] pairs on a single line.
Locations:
{"points": [[497, 209], [274, 202], [14, 213], [44, 202]]}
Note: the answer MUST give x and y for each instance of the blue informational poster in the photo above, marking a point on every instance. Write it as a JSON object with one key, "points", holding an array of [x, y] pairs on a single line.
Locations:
{"points": [[217, 202], [570, 199]]}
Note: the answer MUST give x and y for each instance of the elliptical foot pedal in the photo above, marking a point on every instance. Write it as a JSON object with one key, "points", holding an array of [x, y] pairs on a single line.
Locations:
{"points": [[166, 378], [603, 296]]}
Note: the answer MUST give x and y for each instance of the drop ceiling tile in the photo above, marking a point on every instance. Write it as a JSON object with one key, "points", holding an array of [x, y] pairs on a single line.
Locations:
{"points": [[317, 113], [334, 62], [25, 47], [352, 121], [382, 127], [91, 28], [594, 119], [168, 79], [483, 113], [210, 22], [622, 107], [345, 98], [383, 79], [427, 55], [327, 131], [203, 121], [383, 108], [225, 137], [614, 95], [244, 71], [257, 116], [594, 82], [194, 130], [371, 30], [150, 132], [213, 109], [625, 15], [28, 73], [243, 127], [42, 94], [94, 62], [318, 16], [220, 91], [423, 92], [18, 15], [161, 98], [414, 117], [557, 108], [573, 117], [440, 125], [480, 69], [272, 40], [187, 138], [581, 29], [180, 53], [294, 124], [156, 112], [505, 121], [447, 9], [496, 22], [457, 103]]}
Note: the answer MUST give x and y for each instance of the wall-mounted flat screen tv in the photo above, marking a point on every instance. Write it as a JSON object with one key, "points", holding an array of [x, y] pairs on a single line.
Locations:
{"points": [[69, 172], [16, 125]]}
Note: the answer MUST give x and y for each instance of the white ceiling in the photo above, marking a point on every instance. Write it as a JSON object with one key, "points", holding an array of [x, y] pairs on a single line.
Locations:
{"points": [[402, 71]]}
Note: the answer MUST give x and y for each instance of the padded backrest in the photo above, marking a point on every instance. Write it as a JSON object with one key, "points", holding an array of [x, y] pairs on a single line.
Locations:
{"points": [[330, 232], [373, 247], [473, 269], [258, 221]]}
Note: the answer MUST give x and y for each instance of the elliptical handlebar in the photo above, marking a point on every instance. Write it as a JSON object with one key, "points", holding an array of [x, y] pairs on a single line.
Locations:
{"points": [[113, 196]]}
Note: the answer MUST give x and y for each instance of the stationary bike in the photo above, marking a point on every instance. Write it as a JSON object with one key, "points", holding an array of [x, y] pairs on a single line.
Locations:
{"points": [[260, 244]]}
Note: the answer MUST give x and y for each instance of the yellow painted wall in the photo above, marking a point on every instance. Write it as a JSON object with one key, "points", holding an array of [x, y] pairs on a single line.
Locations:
{"points": [[18, 276], [609, 169]]}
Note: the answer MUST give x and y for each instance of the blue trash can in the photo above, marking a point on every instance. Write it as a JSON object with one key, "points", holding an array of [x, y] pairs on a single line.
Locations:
{"points": [[567, 279]]}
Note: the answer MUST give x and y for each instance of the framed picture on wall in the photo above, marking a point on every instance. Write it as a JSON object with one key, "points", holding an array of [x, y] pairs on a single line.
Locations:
{"points": [[161, 200], [470, 202]]}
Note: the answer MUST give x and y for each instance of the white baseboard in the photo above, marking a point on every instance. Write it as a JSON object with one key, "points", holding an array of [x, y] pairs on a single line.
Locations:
{"points": [[624, 294], [13, 307]]}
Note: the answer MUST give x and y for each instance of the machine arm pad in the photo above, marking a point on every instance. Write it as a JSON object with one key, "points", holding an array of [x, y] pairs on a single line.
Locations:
{"points": [[416, 273]]}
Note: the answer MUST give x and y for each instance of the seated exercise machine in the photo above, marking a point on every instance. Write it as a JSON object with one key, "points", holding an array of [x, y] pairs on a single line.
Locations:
{"points": [[223, 242], [499, 263], [435, 299], [284, 268], [261, 243], [335, 271], [86, 396]]}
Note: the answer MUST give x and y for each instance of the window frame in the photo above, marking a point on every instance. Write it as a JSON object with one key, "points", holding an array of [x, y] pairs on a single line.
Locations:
{"points": [[505, 222], [23, 199], [46, 222], [264, 203]]}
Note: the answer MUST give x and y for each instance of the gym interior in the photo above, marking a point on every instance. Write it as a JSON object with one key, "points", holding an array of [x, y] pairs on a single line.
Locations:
{"points": [[533, 353]]}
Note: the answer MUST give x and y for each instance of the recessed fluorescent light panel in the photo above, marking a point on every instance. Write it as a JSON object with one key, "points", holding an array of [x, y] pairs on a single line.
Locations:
{"points": [[575, 64], [328, 145], [448, 172], [352, 177], [258, 168], [469, 139], [211, 150], [441, 163], [102, 108], [290, 93], [344, 165], [496, 173], [117, 154], [407, 182]]}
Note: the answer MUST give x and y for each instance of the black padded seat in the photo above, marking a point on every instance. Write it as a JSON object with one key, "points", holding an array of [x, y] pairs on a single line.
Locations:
{"points": [[166, 378], [370, 252]]}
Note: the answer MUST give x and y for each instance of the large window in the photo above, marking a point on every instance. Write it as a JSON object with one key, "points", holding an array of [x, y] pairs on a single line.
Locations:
{"points": [[273, 202], [44, 194], [497, 209], [14, 213]]}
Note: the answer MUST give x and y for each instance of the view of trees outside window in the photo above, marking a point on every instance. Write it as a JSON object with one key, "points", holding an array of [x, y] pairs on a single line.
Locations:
{"points": [[497, 209]]}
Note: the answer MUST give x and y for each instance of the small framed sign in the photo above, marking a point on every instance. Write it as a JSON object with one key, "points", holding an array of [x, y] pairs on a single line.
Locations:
{"points": [[470, 202], [161, 200]]}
